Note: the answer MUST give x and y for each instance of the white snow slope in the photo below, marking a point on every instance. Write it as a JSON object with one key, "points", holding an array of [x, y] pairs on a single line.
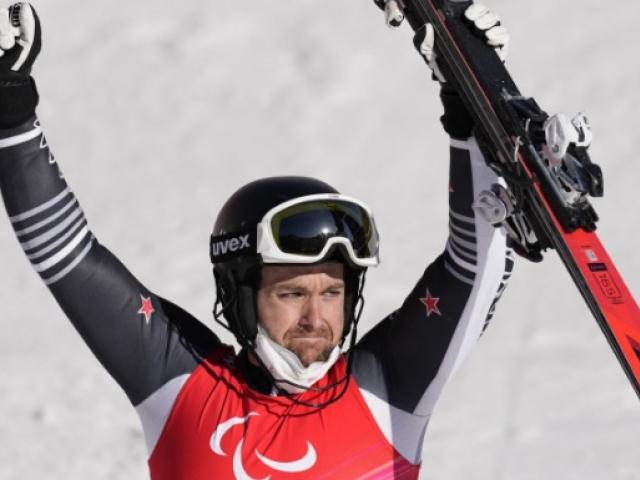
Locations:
{"points": [[157, 111]]}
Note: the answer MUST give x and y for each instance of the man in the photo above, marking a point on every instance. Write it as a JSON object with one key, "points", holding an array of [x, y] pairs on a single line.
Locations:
{"points": [[289, 255]]}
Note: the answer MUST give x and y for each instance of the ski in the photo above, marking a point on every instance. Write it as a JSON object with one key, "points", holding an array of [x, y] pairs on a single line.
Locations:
{"points": [[545, 205]]}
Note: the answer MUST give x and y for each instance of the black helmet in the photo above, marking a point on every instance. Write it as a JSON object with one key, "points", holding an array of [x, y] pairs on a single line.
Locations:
{"points": [[286, 220]]}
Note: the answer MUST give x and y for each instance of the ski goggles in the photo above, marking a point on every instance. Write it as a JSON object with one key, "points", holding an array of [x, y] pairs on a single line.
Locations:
{"points": [[306, 230]]}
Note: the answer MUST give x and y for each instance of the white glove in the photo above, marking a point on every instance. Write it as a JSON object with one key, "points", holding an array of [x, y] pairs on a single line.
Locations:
{"points": [[489, 23], [482, 18], [484, 21], [393, 14], [19, 38]]}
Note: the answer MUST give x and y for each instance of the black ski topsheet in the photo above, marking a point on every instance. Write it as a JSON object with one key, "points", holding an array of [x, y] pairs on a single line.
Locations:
{"points": [[492, 98]]}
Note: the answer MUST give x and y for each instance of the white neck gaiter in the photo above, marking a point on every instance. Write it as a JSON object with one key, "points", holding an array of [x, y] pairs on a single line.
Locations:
{"points": [[283, 364]]}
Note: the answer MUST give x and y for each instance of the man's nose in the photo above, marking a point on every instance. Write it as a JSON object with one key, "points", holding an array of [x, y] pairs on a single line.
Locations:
{"points": [[312, 313]]}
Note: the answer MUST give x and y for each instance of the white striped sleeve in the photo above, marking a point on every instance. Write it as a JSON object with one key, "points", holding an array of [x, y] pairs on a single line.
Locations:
{"points": [[54, 235]]}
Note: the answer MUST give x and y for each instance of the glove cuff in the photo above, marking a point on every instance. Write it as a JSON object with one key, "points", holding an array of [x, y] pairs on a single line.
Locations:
{"points": [[18, 100], [457, 121]]}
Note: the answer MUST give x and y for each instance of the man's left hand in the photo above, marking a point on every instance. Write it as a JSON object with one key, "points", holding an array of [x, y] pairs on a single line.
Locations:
{"points": [[482, 20], [480, 17]]}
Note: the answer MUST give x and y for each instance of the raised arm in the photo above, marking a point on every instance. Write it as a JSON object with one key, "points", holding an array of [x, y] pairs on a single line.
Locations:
{"points": [[402, 364], [144, 341]]}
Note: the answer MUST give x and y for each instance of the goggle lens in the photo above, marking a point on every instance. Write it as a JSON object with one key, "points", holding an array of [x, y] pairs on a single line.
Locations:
{"points": [[305, 228]]}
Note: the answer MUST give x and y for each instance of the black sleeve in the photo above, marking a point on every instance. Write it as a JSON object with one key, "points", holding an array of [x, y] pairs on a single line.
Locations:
{"points": [[407, 358], [141, 339]]}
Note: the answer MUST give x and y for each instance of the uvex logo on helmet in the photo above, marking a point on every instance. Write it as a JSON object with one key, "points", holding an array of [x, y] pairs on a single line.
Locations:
{"points": [[227, 245], [221, 247]]}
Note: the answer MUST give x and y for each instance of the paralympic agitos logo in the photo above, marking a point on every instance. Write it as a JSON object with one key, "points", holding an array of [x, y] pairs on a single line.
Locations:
{"points": [[239, 471]]}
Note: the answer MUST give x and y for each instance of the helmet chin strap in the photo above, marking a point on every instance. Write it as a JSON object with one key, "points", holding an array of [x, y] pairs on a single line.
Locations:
{"points": [[288, 372]]}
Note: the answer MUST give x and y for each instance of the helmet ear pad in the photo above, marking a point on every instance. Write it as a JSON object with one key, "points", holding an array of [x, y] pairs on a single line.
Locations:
{"points": [[237, 291], [351, 296], [246, 307]]}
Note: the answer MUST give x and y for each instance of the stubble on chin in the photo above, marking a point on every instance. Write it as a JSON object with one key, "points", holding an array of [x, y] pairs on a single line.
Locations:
{"points": [[308, 356], [310, 348]]}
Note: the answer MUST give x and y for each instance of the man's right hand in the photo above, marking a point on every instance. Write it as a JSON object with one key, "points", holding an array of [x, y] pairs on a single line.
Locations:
{"points": [[20, 40]]}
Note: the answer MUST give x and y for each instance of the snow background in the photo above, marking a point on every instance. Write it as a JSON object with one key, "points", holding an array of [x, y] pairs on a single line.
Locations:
{"points": [[157, 112]]}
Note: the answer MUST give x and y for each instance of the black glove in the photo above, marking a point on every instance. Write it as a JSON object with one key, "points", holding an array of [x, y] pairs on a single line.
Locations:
{"points": [[457, 120], [20, 43]]}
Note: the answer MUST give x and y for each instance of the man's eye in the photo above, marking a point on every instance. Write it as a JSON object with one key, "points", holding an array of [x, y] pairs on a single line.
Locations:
{"points": [[333, 293], [290, 294]]}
